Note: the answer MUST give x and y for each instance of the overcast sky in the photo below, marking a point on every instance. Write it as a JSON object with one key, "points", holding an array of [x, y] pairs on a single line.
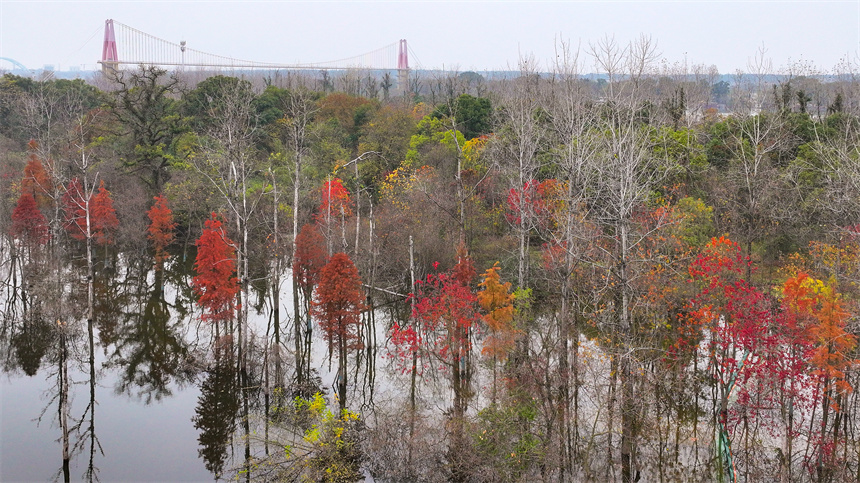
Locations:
{"points": [[454, 35]]}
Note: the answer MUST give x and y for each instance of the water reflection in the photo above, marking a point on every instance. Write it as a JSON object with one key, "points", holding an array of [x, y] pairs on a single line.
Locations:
{"points": [[150, 347], [31, 341], [63, 396], [137, 343], [87, 427], [218, 407], [144, 363]]}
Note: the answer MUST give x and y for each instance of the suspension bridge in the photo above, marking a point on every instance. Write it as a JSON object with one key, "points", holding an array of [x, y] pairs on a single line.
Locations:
{"points": [[127, 46]]}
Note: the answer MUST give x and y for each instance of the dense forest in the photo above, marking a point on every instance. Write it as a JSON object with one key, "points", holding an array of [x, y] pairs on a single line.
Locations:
{"points": [[649, 274]]}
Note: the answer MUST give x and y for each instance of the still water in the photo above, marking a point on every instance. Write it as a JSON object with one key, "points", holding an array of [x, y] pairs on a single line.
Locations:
{"points": [[152, 400]]}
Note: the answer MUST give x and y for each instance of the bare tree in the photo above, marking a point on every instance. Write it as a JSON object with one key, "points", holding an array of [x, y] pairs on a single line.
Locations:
{"points": [[518, 142], [571, 108], [299, 110], [624, 174], [230, 165], [758, 133]]}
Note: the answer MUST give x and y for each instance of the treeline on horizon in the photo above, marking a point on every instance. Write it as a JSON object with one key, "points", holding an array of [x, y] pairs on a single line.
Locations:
{"points": [[653, 275]]}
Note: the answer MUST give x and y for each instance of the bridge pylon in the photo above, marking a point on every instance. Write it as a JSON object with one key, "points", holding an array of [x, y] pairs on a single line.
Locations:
{"points": [[110, 58], [402, 66]]}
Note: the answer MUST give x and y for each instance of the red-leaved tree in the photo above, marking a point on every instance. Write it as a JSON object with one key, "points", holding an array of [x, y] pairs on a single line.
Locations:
{"points": [[446, 315], [334, 199], [335, 207], [89, 215], [337, 307], [215, 284], [161, 229], [537, 203], [309, 260], [740, 335], [447, 312], [28, 223]]}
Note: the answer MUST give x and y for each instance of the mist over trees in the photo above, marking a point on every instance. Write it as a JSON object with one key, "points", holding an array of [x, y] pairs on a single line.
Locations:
{"points": [[617, 269]]}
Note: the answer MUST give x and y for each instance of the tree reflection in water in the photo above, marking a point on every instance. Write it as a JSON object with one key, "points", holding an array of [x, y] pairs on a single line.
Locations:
{"points": [[45, 333], [150, 347], [144, 342], [31, 342], [217, 407]]}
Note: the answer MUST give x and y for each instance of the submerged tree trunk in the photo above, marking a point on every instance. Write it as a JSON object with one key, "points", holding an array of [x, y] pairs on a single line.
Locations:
{"points": [[297, 334], [564, 383], [64, 402], [342, 372], [413, 375], [628, 413], [276, 266]]}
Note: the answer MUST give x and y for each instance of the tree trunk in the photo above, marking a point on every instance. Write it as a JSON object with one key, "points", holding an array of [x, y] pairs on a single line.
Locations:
{"points": [[341, 370], [64, 403], [564, 381], [613, 378], [414, 354], [276, 268], [297, 333]]}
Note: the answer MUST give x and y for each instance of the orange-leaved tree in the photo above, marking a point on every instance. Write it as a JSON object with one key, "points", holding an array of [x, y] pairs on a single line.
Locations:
{"points": [[104, 214], [36, 180], [215, 284], [497, 302], [817, 311], [161, 229], [337, 306]]}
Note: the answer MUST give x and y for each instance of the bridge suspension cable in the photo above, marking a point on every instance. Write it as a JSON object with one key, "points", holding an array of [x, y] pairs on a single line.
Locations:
{"points": [[124, 45]]}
